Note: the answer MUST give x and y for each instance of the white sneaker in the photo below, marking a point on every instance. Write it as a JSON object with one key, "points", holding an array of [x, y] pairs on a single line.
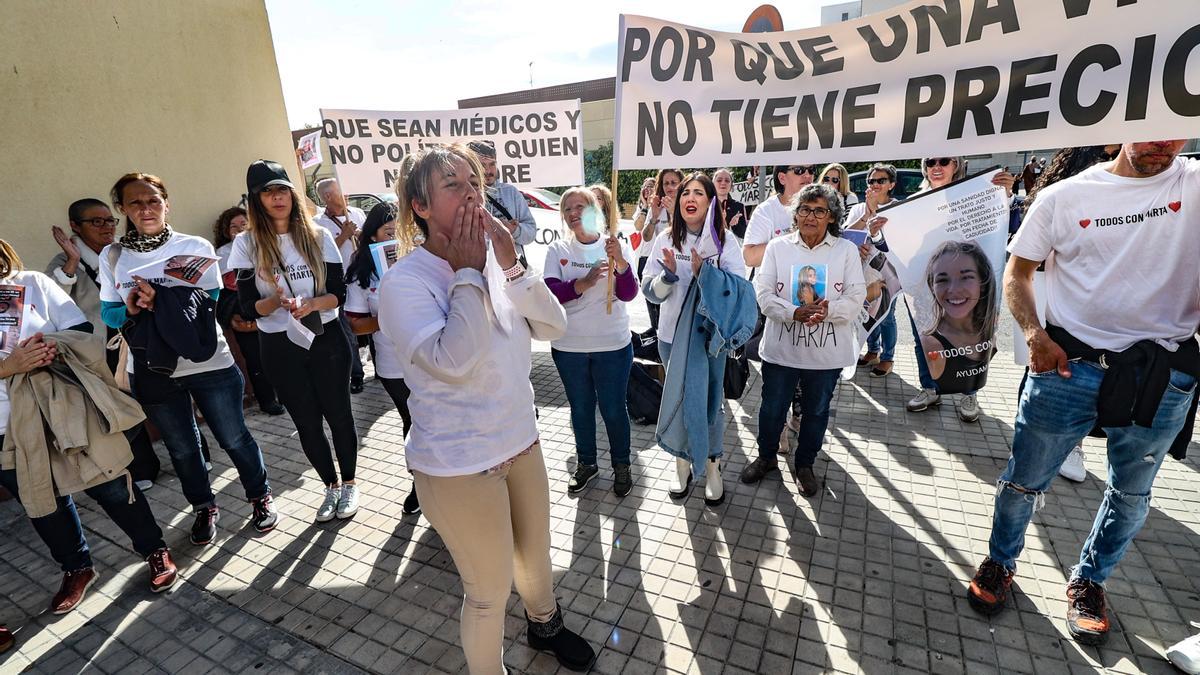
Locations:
{"points": [[924, 400], [968, 408], [1072, 467], [144, 485], [328, 508], [348, 504], [1186, 655]]}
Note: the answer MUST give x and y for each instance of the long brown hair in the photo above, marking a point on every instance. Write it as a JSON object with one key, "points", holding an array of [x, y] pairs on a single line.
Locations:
{"points": [[10, 262], [678, 227], [983, 316], [118, 191], [306, 235]]}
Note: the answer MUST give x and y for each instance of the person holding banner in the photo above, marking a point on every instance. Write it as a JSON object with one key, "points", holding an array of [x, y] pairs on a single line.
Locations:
{"points": [[837, 177], [130, 303], [1118, 351], [697, 236], [656, 218], [773, 217], [731, 210], [805, 344], [47, 309], [462, 315], [344, 222], [229, 225], [881, 343], [362, 308], [290, 283], [595, 355]]}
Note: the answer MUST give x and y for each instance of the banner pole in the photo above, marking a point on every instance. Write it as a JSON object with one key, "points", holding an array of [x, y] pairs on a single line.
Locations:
{"points": [[612, 228]]}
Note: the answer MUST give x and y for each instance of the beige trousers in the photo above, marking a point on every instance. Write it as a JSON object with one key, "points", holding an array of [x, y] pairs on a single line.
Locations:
{"points": [[497, 528]]}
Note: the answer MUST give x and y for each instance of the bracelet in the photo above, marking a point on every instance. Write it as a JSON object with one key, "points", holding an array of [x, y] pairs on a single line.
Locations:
{"points": [[515, 272]]}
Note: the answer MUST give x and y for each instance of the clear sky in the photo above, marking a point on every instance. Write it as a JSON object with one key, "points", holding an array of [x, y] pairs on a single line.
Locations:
{"points": [[427, 54]]}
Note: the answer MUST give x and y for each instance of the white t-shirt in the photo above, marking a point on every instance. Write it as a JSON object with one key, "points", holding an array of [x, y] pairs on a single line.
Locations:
{"points": [[731, 261], [664, 219], [48, 309], [178, 244], [831, 343], [589, 327], [1122, 255], [300, 275], [475, 423], [366, 301], [356, 216], [223, 256], [769, 220]]}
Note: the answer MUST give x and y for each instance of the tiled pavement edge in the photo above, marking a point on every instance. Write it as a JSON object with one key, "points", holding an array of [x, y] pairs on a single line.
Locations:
{"points": [[867, 577]]}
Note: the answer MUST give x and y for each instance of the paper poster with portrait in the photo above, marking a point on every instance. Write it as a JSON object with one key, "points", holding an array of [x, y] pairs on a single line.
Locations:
{"points": [[883, 289], [12, 313], [947, 247], [808, 284], [310, 150]]}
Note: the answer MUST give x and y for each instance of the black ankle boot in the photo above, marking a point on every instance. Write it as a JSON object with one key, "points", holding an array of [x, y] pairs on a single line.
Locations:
{"points": [[570, 649]]}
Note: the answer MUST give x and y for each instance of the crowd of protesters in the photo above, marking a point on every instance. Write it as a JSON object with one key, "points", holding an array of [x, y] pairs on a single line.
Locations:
{"points": [[450, 314]]}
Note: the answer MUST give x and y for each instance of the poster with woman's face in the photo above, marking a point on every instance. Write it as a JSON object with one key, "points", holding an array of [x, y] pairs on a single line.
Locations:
{"points": [[808, 284], [947, 247]]}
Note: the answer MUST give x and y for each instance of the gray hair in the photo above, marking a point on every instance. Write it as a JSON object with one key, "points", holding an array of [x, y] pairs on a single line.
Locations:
{"points": [[833, 199], [885, 168], [322, 185]]}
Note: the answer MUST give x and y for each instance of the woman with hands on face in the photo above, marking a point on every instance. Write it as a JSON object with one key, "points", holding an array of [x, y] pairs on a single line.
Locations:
{"points": [[595, 355], [462, 311]]}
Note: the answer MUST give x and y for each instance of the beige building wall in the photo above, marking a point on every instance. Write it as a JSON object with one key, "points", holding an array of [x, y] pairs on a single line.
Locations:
{"points": [[91, 90], [599, 122]]}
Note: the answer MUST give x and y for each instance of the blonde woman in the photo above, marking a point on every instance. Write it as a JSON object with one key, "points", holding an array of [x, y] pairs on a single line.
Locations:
{"points": [[835, 176], [462, 315], [289, 271], [594, 357]]}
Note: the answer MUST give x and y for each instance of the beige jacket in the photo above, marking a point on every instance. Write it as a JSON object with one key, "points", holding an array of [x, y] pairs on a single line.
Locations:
{"points": [[64, 433]]}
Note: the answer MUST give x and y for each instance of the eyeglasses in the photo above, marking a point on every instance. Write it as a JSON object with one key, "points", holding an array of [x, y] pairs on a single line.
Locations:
{"points": [[941, 161], [800, 170], [819, 212], [99, 222], [836, 180], [878, 181]]}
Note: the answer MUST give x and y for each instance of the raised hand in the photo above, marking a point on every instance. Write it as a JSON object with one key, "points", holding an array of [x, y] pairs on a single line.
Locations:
{"points": [[697, 261], [64, 242], [669, 260], [612, 248], [501, 236], [464, 245]]}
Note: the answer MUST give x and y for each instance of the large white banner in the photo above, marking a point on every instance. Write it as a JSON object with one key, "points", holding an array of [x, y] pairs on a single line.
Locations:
{"points": [[956, 77], [947, 246], [537, 144]]}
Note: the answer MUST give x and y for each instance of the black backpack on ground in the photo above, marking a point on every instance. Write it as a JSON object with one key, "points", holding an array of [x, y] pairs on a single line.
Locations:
{"points": [[643, 396]]}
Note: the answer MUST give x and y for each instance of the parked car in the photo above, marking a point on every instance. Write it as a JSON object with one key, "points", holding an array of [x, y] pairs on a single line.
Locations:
{"points": [[908, 181], [541, 199], [367, 200]]}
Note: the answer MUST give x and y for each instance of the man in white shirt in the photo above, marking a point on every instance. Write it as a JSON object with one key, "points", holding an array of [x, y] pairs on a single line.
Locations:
{"points": [[344, 221], [1118, 351]]}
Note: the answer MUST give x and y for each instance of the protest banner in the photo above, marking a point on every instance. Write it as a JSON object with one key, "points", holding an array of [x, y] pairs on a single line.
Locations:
{"points": [[310, 150], [748, 192], [537, 144], [12, 312], [959, 77], [947, 247]]}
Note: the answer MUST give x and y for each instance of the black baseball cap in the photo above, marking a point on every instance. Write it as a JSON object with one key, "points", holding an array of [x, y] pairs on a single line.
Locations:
{"points": [[264, 173]]}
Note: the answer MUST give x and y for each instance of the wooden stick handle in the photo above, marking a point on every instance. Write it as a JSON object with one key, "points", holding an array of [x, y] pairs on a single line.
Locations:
{"points": [[612, 264]]}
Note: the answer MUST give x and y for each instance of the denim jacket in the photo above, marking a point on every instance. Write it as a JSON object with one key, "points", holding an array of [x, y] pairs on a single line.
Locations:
{"points": [[729, 308]]}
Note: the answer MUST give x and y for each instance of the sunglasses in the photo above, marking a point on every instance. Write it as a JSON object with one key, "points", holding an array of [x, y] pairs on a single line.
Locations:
{"points": [[878, 181], [836, 180], [800, 170], [941, 161]]}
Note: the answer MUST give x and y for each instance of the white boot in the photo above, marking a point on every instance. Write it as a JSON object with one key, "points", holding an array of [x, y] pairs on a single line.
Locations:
{"points": [[714, 487], [683, 479]]}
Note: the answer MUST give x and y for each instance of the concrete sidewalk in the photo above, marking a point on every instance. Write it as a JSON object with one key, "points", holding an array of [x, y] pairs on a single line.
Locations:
{"points": [[867, 577]]}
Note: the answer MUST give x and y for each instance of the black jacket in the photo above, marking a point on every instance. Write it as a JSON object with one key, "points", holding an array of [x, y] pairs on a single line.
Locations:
{"points": [[182, 325]]}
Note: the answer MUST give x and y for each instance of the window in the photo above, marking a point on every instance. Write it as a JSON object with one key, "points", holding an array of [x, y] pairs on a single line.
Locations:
{"points": [[845, 16]]}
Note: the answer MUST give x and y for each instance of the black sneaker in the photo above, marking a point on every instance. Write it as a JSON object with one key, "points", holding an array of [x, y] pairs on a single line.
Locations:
{"points": [[265, 516], [572, 652], [622, 480], [356, 387], [273, 408], [411, 504], [758, 469], [584, 473], [1087, 612], [204, 529], [989, 589]]}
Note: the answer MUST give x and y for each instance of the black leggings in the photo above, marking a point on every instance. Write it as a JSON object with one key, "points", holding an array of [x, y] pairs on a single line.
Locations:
{"points": [[399, 392], [314, 384], [251, 347]]}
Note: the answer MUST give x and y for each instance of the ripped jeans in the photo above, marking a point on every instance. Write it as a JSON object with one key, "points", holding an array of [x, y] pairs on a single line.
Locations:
{"points": [[1053, 415]]}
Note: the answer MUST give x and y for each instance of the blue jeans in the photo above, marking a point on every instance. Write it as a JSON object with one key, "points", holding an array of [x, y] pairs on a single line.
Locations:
{"points": [[1052, 415], [63, 533], [218, 394], [597, 378], [883, 340], [927, 381], [816, 392]]}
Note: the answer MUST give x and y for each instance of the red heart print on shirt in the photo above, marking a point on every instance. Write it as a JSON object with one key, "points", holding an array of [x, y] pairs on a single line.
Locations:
{"points": [[933, 356], [635, 240], [563, 261], [1174, 206], [838, 287], [1085, 222]]}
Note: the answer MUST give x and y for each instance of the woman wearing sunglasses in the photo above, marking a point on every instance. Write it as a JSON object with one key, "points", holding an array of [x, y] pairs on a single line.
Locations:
{"points": [[772, 217], [835, 176]]}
